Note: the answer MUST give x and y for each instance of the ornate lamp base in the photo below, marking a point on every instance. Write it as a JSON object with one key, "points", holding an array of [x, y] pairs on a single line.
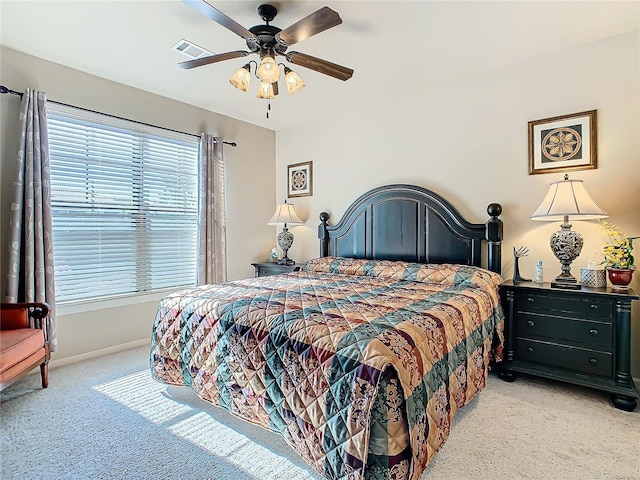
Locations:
{"points": [[285, 240], [566, 245]]}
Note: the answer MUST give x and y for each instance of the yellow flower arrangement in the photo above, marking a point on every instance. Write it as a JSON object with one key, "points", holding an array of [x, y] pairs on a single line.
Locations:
{"points": [[617, 253]]}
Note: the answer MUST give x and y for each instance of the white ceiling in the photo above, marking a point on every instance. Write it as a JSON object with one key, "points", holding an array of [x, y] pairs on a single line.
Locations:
{"points": [[130, 42]]}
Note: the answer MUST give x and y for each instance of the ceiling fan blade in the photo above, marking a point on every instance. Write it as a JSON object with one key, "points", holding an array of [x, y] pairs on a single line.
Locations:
{"points": [[317, 22], [217, 16], [198, 62], [319, 65]]}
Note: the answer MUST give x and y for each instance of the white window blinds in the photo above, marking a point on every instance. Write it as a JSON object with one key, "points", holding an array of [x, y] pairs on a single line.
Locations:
{"points": [[124, 203]]}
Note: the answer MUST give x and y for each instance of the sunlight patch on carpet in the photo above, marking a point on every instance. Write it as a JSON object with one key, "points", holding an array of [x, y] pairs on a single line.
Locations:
{"points": [[236, 448], [144, 396], [140, 393]]}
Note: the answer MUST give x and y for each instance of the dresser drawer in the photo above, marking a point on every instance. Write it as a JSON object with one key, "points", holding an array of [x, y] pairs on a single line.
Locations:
{"points": [[572, 358], [580, 331], [531, 302]]}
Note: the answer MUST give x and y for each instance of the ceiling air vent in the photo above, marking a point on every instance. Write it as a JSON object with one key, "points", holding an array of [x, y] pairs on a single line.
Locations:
{"points": [[190, 49]]}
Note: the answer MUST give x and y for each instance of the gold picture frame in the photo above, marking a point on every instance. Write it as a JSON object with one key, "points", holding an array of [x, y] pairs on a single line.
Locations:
{"points": [[564, 143], [300, 179]]}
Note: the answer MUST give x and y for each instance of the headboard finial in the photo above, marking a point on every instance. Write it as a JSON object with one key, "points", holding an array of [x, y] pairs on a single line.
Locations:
{"points": [[494, 210], [493, 235], [323, 234]]}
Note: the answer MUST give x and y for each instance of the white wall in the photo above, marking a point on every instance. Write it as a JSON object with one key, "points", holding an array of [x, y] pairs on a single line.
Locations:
{"points": [[250, 183], [466, 138]]}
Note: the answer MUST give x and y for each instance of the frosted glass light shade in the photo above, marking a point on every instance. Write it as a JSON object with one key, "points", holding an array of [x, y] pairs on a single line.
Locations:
{"points": [[293, 81], [568, 198], [268, 71], [265, 90], [241, 78]]}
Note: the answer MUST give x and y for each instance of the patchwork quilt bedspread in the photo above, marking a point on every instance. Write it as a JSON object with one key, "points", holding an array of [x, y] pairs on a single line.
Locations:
{"points": [[360, 365]]}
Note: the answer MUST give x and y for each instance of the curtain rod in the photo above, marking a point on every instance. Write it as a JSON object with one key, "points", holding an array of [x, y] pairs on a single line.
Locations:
{"points": [[4, 89]]}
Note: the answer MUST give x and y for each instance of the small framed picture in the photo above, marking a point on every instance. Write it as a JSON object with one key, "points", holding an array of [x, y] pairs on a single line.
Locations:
{"points": [[561, 144], [300, 179]]}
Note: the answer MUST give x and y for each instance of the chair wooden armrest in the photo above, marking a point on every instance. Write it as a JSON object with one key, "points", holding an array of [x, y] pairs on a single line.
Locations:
{"points": [[24, 343], [16, 315]]}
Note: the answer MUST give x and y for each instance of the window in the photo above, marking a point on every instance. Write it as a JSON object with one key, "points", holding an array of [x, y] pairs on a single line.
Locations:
{"points": [[124, 205]]}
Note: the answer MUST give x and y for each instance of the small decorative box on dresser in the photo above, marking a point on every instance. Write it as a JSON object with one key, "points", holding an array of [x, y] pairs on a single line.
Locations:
{"points": [[578, 336], [264, 269]]}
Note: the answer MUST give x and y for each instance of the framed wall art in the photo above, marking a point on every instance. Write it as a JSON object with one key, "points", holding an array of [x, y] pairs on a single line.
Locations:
{"points": [[563, 143], [300, 179]]}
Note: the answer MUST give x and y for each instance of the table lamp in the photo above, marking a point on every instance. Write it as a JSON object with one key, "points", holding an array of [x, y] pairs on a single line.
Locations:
{"points": [[567, 199], [285, 215]]}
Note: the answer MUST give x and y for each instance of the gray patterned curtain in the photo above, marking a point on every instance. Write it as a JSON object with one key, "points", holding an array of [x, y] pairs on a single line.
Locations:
{"points": [[30, 275], [212, 224]]}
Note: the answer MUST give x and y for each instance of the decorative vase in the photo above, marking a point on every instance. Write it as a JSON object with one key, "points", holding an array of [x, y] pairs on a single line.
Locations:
{"points": [[620, 278]]}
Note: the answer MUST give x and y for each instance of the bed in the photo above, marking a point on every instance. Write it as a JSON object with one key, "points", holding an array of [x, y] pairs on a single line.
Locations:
{"points": [[361, 359]]}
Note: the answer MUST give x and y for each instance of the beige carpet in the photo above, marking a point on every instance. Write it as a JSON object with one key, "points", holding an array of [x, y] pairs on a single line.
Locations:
{"points": [[107, 419]]}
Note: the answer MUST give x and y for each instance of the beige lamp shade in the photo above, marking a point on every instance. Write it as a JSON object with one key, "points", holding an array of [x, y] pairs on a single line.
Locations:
{"points": [[568, 198], [285, 215]]}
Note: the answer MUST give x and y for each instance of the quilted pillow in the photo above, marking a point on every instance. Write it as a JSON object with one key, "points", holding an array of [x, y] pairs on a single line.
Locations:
{"points": [[446, 274]]}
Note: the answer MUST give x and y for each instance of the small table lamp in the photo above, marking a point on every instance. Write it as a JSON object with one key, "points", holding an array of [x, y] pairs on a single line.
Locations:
{"points": [[567, 198], [285, 215]]}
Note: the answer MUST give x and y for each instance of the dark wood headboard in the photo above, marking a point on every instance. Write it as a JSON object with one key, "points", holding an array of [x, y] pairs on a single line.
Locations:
{"points": [[410, 223]]}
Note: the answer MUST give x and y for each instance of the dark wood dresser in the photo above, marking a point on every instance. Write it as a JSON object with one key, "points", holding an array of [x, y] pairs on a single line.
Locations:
{"points": [[264, 269], [578, 336]]}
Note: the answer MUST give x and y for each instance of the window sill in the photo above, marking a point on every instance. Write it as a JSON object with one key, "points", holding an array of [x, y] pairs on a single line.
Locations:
{"points": [[113, 302]]}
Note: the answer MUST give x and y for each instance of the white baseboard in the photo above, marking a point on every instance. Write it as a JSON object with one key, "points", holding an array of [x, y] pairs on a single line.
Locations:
{"points": [[53, 363]]}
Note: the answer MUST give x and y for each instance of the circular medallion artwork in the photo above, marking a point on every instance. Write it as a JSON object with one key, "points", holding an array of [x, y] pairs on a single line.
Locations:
{"points": [[561, 144], [298, 180]]}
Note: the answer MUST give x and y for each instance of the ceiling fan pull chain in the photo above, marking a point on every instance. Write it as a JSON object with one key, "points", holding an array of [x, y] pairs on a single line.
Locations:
{"points": [[268, 107]]}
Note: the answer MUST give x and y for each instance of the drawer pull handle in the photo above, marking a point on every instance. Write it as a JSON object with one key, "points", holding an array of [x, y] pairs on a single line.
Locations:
{"points": [[593, 305], [593, 361], [529, 299], [531, 323], [530, 349], [593, 332]]}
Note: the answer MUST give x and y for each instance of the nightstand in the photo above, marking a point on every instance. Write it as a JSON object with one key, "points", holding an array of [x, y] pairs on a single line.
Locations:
{"points": [[264, 269], [577, 336]]}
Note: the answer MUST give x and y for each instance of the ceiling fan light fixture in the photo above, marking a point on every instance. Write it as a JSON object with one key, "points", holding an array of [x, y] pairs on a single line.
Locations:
{"points": [[267, 41], [241, 78], [265, 90], [268, 71], [293, 81]]}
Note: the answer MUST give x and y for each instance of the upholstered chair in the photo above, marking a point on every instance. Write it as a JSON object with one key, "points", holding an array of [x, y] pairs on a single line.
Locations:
{"points": [[23, 341]]}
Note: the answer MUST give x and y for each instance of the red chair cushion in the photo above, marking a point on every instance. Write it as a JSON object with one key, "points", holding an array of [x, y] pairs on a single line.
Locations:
{"points": [[16, 345]]}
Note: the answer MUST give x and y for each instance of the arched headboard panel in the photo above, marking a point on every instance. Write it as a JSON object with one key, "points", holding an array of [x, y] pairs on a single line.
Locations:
{"points": [[411, 223]]}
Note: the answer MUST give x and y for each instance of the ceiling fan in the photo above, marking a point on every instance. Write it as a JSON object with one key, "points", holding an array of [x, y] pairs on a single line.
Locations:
{"points": [[269, 41]]}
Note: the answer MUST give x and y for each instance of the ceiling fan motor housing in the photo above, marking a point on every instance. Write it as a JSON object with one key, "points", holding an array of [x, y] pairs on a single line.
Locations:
{"points": [[265, 39]]}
